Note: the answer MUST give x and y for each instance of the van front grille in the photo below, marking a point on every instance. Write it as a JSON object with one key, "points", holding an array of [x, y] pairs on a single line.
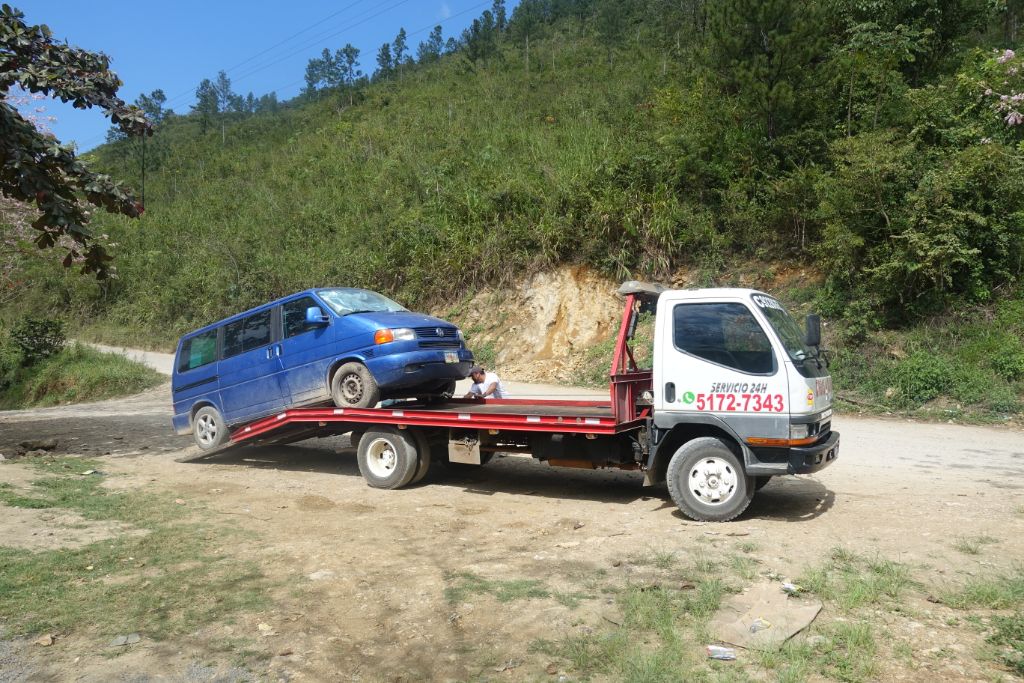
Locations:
{"points": [[440, 344], [437, 332]]}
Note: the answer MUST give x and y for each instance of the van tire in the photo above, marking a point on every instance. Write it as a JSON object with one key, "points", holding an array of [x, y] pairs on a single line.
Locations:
{"points": [[208, 429], [702, 470], [353, 386], [387, 457]]}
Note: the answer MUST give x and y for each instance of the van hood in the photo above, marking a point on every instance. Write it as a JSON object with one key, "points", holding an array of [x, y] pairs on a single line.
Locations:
{"points": [[379, 319]]}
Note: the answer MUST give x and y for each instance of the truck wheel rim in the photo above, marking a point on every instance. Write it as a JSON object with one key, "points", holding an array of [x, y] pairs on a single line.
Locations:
{"points": [[381, 458], [713, 481], [206, 429]]}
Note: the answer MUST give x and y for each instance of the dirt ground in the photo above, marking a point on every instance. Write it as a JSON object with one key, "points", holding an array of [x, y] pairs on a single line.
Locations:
{"points": [[361, 573]]}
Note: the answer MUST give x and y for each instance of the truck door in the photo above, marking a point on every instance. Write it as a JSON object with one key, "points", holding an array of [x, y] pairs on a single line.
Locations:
{"points": [[713, 357]]}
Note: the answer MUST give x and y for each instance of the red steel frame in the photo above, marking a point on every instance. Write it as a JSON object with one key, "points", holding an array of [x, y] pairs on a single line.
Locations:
{"points": [[627, 382]]}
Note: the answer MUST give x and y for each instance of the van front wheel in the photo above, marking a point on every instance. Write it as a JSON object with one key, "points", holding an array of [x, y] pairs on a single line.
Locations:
{"points": [[208, 429], [353, 386]]}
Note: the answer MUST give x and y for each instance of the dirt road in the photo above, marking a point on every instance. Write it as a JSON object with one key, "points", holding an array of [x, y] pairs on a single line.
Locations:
{"points": [[373, 566]]}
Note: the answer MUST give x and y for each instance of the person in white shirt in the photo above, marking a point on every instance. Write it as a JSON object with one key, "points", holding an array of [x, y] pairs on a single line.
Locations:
{"points": [[485, 384]]}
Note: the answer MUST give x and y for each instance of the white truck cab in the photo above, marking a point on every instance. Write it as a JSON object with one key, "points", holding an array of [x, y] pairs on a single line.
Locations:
{"points": [[740, 394]]}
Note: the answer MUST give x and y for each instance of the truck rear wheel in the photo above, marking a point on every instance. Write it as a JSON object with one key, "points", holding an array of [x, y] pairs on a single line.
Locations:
{"points": [[388, 458], [707, 481]]}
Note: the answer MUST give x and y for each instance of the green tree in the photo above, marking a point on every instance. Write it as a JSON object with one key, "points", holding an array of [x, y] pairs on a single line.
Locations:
{"points": [[36, 168], [400, 51], [384, 63], [498, 10], [207, 104], [430, 49], [763, 52], [222, 86]]}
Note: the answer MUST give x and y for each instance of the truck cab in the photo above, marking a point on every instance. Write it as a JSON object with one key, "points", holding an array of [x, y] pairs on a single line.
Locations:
{"points": [[739, 394]]}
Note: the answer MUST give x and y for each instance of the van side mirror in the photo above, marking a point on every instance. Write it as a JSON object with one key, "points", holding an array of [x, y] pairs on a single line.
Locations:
{"points": [[316, 317], [813, 326]]}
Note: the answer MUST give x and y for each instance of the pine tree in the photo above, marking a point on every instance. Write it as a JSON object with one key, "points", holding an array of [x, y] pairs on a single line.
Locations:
{"points": [[430, 49], [384, 63], [500, 20], [763, 51], [207, 103], [399, 51], [222, 86]]}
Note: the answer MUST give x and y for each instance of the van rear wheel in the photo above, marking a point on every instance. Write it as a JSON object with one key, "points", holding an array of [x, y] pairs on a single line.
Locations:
{"points": [[353, 386], [208, 429]]}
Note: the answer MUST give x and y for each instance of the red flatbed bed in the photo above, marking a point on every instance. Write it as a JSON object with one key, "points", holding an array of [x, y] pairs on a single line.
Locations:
{"points": [[518, 415]]}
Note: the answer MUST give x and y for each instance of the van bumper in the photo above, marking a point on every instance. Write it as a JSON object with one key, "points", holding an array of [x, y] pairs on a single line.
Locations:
{"points": [[417, 368]]}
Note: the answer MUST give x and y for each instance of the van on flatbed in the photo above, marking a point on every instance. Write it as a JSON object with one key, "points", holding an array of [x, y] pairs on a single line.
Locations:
{"points": [[737, 394]]}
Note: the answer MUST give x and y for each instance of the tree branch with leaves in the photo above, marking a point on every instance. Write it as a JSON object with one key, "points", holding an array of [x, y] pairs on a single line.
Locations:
{"points": [[35, 168]]}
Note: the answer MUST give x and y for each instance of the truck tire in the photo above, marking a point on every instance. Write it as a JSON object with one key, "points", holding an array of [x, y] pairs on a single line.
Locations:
{"points": [[387, 457], [423, 447], [707, 481], [208, 429], [353, 386]]}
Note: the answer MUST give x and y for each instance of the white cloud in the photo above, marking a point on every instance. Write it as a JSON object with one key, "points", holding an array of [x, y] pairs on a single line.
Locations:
{"points": [[446, 11]]}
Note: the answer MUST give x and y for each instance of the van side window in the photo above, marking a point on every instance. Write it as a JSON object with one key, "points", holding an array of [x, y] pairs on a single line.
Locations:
{"points": [[257, 331], [247, 334], [727, 334], [233, 338], [293, 314], [198, 351]]}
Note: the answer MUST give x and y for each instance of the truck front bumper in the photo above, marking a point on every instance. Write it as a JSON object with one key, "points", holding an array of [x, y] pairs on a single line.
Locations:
{"points": [[767, 462], [808, 459]]}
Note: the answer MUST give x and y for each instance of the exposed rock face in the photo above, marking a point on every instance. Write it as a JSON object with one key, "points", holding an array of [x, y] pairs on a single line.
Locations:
{"points": [[539, 329]]}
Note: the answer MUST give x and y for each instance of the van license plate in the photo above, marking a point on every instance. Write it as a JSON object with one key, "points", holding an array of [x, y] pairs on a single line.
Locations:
{"points": [[451, 357]]}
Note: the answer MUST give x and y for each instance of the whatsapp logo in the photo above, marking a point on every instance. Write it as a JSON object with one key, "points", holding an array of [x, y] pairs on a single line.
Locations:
{"points": [[687, 397]]}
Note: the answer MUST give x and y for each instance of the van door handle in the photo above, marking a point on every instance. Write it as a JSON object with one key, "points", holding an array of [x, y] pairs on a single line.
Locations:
{"points": [[670, 392], [277, 350]]}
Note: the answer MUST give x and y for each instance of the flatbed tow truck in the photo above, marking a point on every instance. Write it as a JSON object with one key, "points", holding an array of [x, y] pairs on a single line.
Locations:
{"points": [[737, 394]]}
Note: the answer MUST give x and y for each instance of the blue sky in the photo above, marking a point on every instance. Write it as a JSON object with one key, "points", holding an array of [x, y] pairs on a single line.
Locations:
{"points": [[263, 46]]}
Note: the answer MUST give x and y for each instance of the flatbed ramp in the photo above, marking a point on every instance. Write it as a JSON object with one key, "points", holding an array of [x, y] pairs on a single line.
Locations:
{"points": [[513, 415]]}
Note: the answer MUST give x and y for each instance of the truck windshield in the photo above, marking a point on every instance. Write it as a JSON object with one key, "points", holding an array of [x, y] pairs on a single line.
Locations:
{"points": [[346, 301], [785, 327]]}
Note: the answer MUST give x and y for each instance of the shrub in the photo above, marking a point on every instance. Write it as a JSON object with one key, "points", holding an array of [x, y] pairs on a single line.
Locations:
{"points": [[1009, 363], [922, 377], [38, 338], [10, 360]]}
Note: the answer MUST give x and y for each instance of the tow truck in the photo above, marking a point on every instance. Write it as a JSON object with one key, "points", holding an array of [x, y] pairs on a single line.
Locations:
{"points": [[737, 394]]}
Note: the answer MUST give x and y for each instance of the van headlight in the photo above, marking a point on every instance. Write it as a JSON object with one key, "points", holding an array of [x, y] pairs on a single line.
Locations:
{"points": [[799, 431], [462, 337], [395, 334]]}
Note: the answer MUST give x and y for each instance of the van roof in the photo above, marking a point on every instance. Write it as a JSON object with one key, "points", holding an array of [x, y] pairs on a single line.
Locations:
{"points": [[269, 304]]}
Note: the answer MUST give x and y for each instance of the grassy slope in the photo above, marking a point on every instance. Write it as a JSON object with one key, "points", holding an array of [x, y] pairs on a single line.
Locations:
{"points": [[76, 375]]}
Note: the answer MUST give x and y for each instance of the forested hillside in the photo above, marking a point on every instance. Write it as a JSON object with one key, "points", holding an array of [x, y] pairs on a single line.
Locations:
{"points": [[879, 142]]}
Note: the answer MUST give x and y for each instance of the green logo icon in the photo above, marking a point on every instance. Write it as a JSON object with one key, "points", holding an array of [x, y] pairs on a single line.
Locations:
{"points": [[688, 397]]}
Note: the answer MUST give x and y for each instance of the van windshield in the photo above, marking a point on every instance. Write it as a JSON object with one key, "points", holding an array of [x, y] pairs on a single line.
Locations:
{"points": [[347, 301]]}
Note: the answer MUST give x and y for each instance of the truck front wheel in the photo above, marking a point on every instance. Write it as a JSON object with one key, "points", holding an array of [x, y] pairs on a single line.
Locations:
{"points": [[707, 481]]}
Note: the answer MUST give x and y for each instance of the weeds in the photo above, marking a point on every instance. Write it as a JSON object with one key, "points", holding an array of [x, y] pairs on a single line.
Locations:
{"points": [[466, 584], [852, 581], [971, 545], [996, 592], [167, 581]]}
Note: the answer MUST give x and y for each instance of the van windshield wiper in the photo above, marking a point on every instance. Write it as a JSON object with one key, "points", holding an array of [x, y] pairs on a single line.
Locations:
{"points": [[364, 310]]}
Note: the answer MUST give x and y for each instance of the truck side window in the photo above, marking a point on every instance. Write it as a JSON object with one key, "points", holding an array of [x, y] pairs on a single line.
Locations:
{"points": [[293, 314], [723, 333], [198, 351]]}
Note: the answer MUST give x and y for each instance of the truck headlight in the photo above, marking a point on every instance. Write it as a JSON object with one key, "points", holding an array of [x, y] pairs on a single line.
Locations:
{"points": [[799, 431]]}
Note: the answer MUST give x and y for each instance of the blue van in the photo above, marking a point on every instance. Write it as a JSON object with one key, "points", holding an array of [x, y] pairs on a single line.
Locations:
{"points": [[352, 346]]}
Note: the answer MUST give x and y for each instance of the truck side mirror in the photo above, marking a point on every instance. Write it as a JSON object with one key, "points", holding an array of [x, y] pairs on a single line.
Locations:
{"points": [[813, 326], [316, 317]]}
